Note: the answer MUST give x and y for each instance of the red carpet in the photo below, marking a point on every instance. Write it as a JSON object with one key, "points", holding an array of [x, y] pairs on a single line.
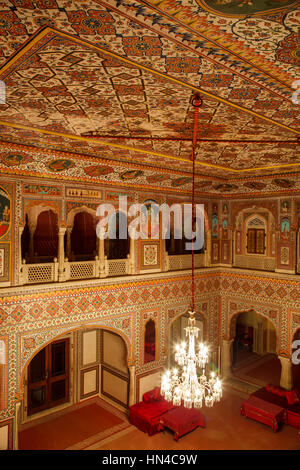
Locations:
{"points": [[269, 372], [60, 432]]}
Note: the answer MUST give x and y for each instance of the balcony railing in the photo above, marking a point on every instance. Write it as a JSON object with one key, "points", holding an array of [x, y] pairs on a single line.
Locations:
{"points": [[179, 262], [79, 270], [255, 262], [38, 273]]}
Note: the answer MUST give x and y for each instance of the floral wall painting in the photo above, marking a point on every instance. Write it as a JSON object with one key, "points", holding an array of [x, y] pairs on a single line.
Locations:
{"points": [[285, 228], [238, 8], [4, 212], [225, 228], [131, 174], [60, 165], [215, 226], [283, 183], [150, 220]]}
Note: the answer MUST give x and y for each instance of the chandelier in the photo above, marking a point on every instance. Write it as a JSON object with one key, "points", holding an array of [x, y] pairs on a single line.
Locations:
{"points": [[189, 387]]}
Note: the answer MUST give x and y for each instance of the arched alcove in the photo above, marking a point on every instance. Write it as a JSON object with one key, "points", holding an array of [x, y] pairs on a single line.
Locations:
{"points": [[149, 342]]}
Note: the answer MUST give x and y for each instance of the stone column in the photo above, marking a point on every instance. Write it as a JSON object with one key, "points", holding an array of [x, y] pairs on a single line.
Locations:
{"points": [[132, 399], [32, 227], [286, 379], [21, 228], [226, 358], [61, 254], [208, 249], [68, 247], [16, 426]]}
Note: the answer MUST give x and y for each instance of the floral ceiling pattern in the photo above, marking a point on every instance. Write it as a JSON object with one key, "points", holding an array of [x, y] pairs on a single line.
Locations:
{"points": [[127, 70]]}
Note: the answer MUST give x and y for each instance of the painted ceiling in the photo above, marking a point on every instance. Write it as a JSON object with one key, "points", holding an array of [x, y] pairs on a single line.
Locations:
{"points": [[127, 70]]}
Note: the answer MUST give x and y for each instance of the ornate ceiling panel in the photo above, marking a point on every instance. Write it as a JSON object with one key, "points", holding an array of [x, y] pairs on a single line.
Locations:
{"points": [[127, 70]]}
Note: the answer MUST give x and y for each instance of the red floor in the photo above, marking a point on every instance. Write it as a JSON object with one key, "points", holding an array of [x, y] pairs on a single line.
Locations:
{"points": [[226, 430], [66, 430]]}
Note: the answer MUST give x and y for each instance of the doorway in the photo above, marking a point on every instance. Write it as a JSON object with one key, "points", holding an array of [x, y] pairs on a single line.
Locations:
{"points": [[48, 377], [255, 358]]}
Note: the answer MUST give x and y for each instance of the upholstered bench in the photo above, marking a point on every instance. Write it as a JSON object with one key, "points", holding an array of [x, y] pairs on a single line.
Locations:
{"points": [[146, 414], [182, 420], [264, 412], [287, 399]]}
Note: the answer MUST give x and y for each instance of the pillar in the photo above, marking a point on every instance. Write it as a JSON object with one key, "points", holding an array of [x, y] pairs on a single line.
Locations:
{"points": [[21, 228], [32, 227], [68, 247], [298, 252], [61, 254], [286, 378], [208, 249], [16, 426], [132, 254], [101, 256], [226, 358], [131, 385]]}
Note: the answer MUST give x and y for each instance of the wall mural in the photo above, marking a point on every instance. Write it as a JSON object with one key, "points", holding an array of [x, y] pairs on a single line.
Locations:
{"points": [[4, 212], [215, 225], [285, 229], [245, 7]]}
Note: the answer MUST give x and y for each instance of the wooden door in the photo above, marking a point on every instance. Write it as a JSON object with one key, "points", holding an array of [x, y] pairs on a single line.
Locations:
{"points": [[48, 377]]}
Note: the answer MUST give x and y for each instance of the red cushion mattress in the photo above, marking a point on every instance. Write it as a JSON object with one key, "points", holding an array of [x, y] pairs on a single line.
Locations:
{"points": [[146, 416], [293, 411]]}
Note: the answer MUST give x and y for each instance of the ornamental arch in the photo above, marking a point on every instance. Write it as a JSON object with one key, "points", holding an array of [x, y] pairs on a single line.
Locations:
{"points": [[37, 341]]}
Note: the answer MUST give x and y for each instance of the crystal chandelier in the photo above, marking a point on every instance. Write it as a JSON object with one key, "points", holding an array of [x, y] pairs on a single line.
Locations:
{"points": [[188, 387]]}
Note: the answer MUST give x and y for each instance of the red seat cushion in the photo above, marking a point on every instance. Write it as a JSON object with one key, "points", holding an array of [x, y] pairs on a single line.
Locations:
{"points": [[291, 397]]}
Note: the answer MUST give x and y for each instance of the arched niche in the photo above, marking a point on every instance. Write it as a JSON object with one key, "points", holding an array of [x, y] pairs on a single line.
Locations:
{"points": [[149, 341], [254, 238]]}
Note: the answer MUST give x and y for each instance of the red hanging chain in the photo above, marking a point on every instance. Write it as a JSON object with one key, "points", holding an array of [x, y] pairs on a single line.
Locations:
{"points": [[196, 102]]}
